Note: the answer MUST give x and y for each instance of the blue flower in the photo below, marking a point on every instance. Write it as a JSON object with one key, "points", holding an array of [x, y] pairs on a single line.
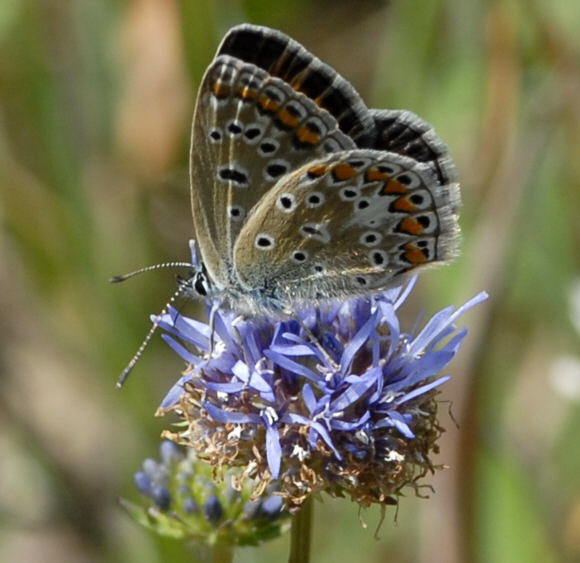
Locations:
{"points": [[182, 500], [340, 399]]}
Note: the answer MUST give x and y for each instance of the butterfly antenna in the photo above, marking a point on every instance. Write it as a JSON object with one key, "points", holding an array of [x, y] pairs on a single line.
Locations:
{"points": [[137, 356], [182, 287], [123, 277]]}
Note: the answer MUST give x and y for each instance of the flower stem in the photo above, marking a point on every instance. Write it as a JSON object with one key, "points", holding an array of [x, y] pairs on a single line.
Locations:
{"points": [[222, 552], [300, 534]]}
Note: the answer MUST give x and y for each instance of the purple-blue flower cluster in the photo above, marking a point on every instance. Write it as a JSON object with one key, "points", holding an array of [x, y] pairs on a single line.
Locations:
{"points": [[340, 399], [183, 501]]}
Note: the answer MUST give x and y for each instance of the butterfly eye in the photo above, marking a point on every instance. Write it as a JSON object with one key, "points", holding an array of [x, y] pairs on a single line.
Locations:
{"points": [[200, 284]]}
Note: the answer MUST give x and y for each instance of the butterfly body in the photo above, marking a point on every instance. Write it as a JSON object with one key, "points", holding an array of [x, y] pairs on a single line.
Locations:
{"points": [[300, 193]]}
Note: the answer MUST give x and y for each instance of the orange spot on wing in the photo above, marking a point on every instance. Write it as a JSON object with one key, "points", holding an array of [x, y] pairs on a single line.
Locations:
{"points": [[220, 90], [414, 255], [288, 119], [307, 136], [343, 172], [297, 85], [268, 104], [403, 204], [410, 226], [394, 187], [318, 170], [374, 175], [246, 93]]}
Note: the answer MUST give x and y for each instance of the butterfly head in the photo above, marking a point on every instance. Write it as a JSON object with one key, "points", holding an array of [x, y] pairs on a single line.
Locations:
{"points": [[197, 283]]}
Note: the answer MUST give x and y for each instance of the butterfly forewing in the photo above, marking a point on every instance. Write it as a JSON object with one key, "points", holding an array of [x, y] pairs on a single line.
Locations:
{"points": [[250, 129], [284, 58]]}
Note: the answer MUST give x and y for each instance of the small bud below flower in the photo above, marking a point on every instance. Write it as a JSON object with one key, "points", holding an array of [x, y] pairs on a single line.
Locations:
{"points": [[213, 510]]}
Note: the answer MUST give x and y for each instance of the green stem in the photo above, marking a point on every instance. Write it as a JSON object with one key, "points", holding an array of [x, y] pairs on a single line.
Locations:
{"points": [[300, 534], [222, 552]]}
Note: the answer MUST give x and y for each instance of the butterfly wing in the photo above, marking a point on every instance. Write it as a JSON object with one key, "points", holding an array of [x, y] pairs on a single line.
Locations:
{"points": [[404, 133], [265, 107], [268, 115], [352, 223]]}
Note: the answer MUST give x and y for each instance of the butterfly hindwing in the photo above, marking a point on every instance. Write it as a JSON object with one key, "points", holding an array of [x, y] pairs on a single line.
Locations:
{"points": [[351, 223]]}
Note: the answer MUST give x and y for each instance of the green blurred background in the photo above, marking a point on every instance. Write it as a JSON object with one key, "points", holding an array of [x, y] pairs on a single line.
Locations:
{"points": [[96, 98]]}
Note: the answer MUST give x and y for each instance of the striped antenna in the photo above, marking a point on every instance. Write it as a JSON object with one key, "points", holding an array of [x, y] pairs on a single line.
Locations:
{"points": [[180, 290], [123, 277]]}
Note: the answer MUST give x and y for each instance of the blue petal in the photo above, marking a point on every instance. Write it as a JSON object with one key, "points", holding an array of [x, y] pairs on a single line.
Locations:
{"points": [[405, 291], [359, 385], [185, 328], [229, 388], [396, 420], [273, 451], [454, 343], [311, 348], [357, 342], [293, 350], [438, 322], [291, 365], [389, 317], [220, 415], [309, 397], [254, 380], [252, 346], [328, 315], [421, 390], [271, 507], [323, 433], [441, 321], [422, 368], [342, 425], [181, 351], [173, 395], [223, 330], [241, 371]]}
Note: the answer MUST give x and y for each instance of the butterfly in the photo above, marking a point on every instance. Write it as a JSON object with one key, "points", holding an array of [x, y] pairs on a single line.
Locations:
{"points": [[300, 193]]}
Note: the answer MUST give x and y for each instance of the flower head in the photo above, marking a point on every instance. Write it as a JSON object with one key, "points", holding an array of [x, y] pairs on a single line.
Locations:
{"points": [[341, 399], [184, 502]]}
